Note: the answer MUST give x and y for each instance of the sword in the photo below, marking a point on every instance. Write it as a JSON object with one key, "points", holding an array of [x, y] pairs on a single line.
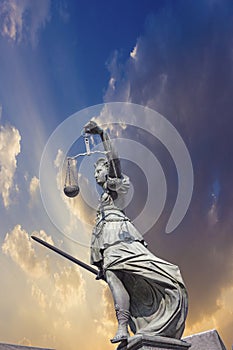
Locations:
{"points": [[65, 255]]}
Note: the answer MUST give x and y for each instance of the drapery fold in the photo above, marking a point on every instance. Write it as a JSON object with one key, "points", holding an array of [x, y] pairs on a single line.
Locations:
{"points": [[158, 297]]}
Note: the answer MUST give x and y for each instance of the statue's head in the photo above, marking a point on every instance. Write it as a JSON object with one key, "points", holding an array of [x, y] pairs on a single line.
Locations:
{"points": [[101, 170]]}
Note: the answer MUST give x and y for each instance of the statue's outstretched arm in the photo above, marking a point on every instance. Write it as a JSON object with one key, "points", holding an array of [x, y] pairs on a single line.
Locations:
{"points": [[114, 161]]}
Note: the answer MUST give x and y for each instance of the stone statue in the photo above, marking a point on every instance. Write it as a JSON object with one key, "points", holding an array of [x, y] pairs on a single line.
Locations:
{"points": [[149, 293]]}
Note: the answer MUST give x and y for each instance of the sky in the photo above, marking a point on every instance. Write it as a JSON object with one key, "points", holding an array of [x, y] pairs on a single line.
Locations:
{"points": [[60, 57]]}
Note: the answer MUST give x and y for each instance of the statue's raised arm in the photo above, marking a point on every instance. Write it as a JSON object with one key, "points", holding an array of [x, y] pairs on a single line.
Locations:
{"points": [[112, 155]]}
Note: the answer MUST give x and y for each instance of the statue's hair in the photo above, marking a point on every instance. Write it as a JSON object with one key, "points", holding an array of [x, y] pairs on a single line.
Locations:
{"points": [[102, 161]]}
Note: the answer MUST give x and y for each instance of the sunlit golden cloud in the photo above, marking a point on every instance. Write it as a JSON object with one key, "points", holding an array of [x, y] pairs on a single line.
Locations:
{"points": [[19, 247], [9, 150]]}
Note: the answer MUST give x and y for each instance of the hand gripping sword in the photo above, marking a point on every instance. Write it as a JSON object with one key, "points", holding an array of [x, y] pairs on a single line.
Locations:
{"points": [[65, 255]]}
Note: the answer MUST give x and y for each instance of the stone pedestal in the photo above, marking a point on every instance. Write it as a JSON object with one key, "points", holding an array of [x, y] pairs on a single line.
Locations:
{"points": [[209, 340], [146, 342], [4, 346]]}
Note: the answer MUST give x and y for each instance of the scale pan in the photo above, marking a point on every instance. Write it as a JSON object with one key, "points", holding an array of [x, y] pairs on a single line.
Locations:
{"points": [[71, 190]]}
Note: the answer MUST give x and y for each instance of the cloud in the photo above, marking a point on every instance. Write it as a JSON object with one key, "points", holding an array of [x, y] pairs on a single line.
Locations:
{"points": [[58, 160], [109, 311], [221, 319], [133, 53], [68, 284], [69, 288], [107, 324], [19, 247], [40, 297], [48, 308], [34, 185], [175, 69], [23, 19], [9, 150], [34, 188]]}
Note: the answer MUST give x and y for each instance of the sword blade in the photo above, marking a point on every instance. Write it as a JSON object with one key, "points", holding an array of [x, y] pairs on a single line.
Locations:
{"points": [[65, 255]]}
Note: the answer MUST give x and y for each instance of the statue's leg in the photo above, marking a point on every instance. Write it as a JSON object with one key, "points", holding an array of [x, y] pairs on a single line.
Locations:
{"points": [[121, 301]]}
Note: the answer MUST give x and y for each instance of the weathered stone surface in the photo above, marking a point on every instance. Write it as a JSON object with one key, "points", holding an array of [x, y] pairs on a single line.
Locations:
{"points": [[4, 346], [209, 340], [149, 293], [148, 342]]}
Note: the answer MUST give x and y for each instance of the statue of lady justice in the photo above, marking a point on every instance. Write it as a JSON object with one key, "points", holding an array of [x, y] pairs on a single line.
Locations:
{"points": [[149, 293]]}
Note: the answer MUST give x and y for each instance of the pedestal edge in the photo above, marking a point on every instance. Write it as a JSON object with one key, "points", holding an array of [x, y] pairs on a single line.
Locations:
{"points": [[141, 340]]}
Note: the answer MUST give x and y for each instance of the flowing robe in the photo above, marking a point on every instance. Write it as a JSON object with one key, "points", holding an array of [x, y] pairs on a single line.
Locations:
{"points": [[158, 298]]}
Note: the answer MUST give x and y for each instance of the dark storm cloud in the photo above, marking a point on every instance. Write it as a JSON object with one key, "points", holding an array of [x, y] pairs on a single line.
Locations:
{"points": [[183, 67]]}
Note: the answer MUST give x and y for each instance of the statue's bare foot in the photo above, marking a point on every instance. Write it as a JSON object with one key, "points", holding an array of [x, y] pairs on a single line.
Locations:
{"points": [[121, 334]]}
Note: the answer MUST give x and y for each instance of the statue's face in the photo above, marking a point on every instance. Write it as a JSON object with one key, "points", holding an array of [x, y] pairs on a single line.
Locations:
{"points": [[101, 173]]}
